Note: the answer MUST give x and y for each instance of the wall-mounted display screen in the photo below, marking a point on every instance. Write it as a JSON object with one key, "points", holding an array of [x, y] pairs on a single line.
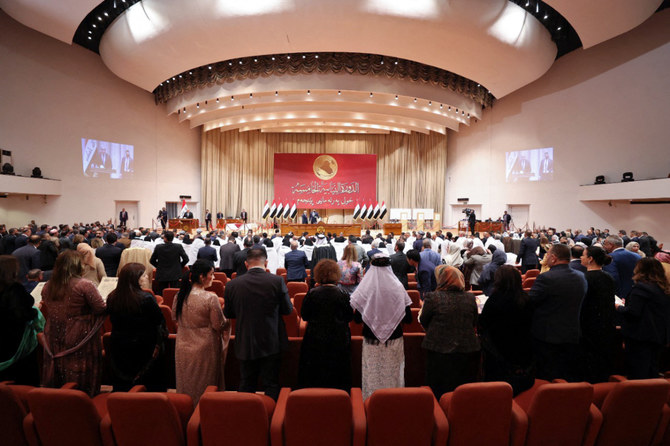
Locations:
{"points": [[529, 165], [103, 159]]}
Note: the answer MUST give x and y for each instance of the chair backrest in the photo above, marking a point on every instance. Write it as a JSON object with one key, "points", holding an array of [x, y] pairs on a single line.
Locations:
{"points": [[632, 411], [414, 326], [412, 286], [221, 277], [144, 418], [12, 413], [416, 298], [356, 329], [295, 288], [318, 417], [281, 271], [229, 418], [297, 302], [479, 414], [167, 314], [559, 414], [528, 282], [400, 417], [411, 277], [532, 273], [292, 323], [169, 295], [217, 287], [63, 416]]}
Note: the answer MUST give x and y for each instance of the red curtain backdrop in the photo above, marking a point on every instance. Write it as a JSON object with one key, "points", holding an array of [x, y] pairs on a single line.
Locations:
{"points": [[325, 180]]}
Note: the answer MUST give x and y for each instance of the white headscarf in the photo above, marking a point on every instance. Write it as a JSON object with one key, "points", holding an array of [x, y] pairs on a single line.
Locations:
{"points": [[381, 299], [453, 257]]}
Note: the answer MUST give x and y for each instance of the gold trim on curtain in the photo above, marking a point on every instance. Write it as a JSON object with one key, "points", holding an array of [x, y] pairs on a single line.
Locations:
{"points": [[237, 167]]}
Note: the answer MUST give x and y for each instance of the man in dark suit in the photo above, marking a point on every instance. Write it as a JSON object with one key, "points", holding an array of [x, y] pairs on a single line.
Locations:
{"points": [[305, 219], [240, 257], [425, 272], [188, 214], [546, 167], [110, 254], [624, 237], [244, 216], [575, 262], [169, 259], [472, 221], [622, 266], [226, 253], [399, 264], [28, 256], [163, 217], [207, 252], [527, 256], [123, 217], [295, 263], [127, 164], [313, 217], [257, 301], [208, 220]]}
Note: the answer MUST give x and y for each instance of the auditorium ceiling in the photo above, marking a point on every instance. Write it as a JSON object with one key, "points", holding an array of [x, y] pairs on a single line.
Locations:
{"points": [[347, 66]]}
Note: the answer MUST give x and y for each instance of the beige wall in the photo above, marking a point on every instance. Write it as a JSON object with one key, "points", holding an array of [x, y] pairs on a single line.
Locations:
{"points": [[52, 95], [603, 110]]}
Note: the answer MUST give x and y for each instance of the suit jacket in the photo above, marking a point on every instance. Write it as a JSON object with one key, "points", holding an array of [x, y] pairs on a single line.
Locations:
{"points": [[257, 300], [295, 263], [304, 219], [29, 258], [226, 253], [527, 251], [238, 262], [401, 267], [243, 216], [219, 215], [425, 277], [577, 266], [111, 257], [621, 270], [431, 256], [208, 216], [188, 214], [169, 259], [123, 216], [207, 253], [556, 297]]}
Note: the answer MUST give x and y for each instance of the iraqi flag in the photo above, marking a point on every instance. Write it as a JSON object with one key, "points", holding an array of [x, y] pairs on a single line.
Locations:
{"points": [[375, 214], [357, 210], [371, 211], [183, 208], [287, 209], [363, 212], [294, 210], [280, 208], [382, 210], [266, 210], [273, 209]]}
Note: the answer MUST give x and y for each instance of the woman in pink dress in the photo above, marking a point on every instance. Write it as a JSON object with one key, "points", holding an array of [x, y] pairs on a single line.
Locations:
{"points": [[202, 337]]}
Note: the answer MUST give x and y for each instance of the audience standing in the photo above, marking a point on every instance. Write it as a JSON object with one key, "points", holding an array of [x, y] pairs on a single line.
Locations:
{"points": [[110, 254], [296, 264], [227, 252], [527, 256], [352, 273], [425, 272], [28, 256], [94, 270], [622, 266], [168, 258], [399, 264]]}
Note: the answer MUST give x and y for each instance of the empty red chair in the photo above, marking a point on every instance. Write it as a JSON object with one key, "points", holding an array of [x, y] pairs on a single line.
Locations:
{"points": [[528, 282], [60, 417], [323, 417], [217, 287], [295, 288], [411, 277], [280, 271], [169, 295], [136, 419], [231, 418], [221, 277], [412, 285], [532, 273], [634, 412], [405, 417], [167, 314], [416, 298], [234, 275], [12, 413], [297, 302], [414, 326], [484, 414], [292, 323], [562, 415]]}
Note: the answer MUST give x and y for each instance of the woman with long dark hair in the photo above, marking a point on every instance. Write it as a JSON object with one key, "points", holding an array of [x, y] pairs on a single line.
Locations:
{"points": [[138, 333], [597, 316], [202, 339], [504, 330], [75, 313], [646, 320]]}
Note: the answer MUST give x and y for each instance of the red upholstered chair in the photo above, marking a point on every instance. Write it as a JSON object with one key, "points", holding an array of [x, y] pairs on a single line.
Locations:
{"points": [[231, 418], [405, 417], [414, 326], [634, 413], [484, 414], [562, 415], [221, 277], [356, 329], [292, 323], [532, 273], [217, 287], [159, 299], [524, 398], [12, 413], [411, 277], [167, 314], [528, 282], [137, 418], [323, 417], [412, 285], [280, 271], [233, 276], [416, 298], [169, 295], [63, 417], [298, 298], [295, 288]]}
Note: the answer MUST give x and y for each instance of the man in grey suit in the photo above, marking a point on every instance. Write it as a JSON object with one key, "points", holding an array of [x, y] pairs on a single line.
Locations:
{"points": [[257, 300], [226, 255]]}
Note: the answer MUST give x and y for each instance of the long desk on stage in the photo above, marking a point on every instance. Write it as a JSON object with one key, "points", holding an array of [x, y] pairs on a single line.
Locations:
{"points": [[347, 229], [481, 226], [184, 224]]}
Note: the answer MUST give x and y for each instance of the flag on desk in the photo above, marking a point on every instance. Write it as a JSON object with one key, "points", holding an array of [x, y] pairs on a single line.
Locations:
{"points": [[363, 211], [280, 208], [287, 209], [382, 210], [371, 211], [375, 214], [357, 210], [266, 210], [273, 209], [183, 208], [294, 210]]}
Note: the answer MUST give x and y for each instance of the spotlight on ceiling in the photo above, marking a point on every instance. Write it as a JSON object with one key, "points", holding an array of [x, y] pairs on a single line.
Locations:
{"points": [[7, 169]]}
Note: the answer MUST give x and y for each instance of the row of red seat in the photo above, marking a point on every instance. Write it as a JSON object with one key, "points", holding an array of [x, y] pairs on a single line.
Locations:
{"points": [[624, 413]]}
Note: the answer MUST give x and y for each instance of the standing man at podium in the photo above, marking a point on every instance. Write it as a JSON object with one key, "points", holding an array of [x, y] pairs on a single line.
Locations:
{"points": [[219, 215], [188, 214], [244, 216], [123, 217], [305, 219], [314, 217], [208, 220]]}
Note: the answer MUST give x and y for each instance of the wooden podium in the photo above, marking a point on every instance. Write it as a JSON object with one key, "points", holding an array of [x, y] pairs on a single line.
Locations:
{"points": [[184, 224], [347, 229], [395, 228]]}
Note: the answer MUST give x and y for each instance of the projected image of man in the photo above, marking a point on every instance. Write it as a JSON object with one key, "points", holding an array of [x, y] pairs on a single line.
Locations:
{"points": [[547, 167]]}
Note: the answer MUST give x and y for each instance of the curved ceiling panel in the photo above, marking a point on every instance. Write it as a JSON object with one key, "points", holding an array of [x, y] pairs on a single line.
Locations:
{"points": [[598, 20], [493, 42]]}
